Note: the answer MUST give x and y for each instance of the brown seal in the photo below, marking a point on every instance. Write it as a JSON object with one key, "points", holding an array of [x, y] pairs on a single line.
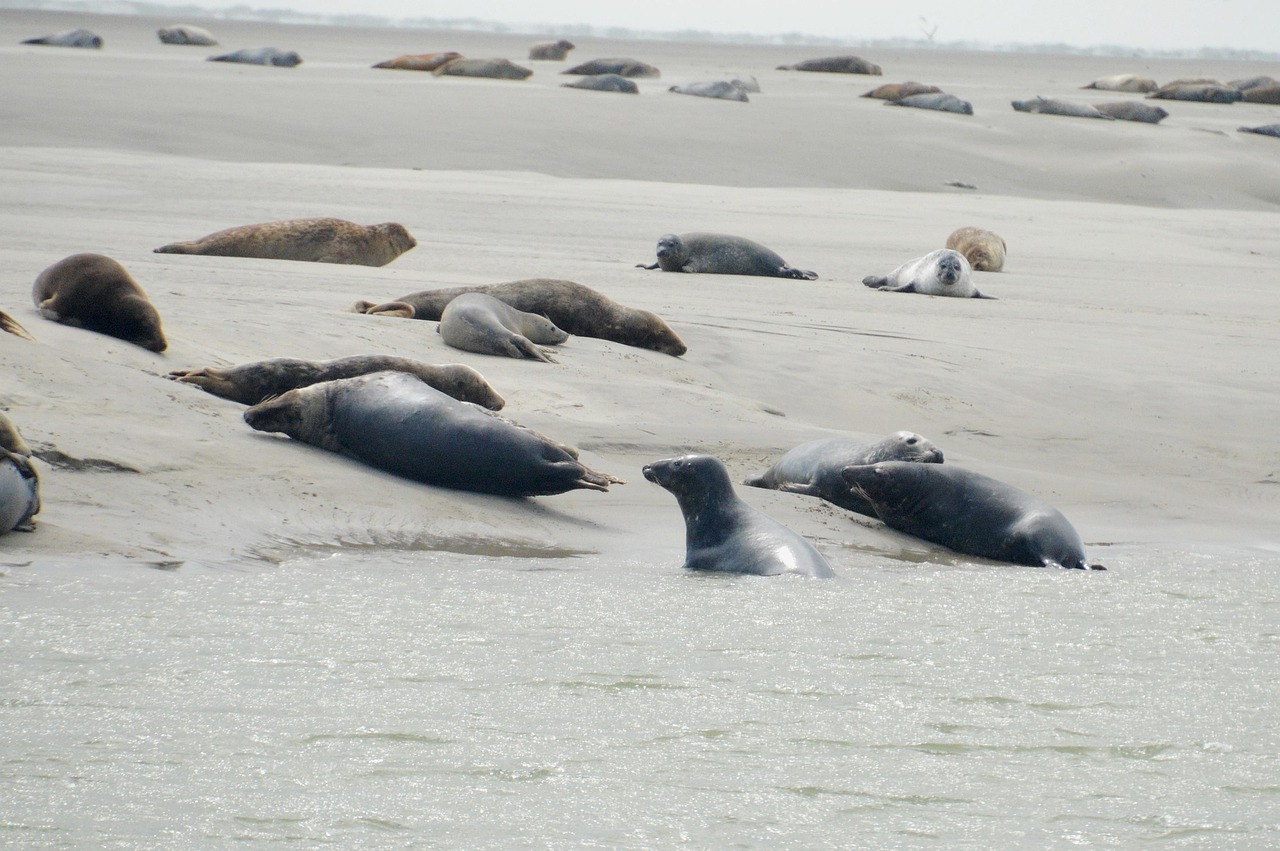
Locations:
{"points": [[897, 91], [321, 240], [419, 61], [478, 322], [497, 69], [621, 67], [94, 292], [552, 51], [984, 250], [574, 308], [835, 65], [1124, 83], [251, 383], [1133, 110]]}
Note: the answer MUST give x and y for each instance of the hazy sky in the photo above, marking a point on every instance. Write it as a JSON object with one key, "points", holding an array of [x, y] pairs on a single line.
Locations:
{"points": [[1168, 24]]}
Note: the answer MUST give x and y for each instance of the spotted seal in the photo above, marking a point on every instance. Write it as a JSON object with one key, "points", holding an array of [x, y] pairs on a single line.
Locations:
{"points": [[984, 250], [943, 272], [721, 254], [19, 484], [478, 322], [70, 38], [261, 56], [319, 240], [94, 292]]}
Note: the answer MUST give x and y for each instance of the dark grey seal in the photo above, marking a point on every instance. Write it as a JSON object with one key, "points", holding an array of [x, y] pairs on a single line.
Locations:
{"points": [[1133, 110], [478, 322], [940, 101], [723, 533], [70, 38], [261, 56], [19, 484], [1263, 130], [604, 83], [621, 67], [835, 65], [392, 421], [720, 89], [1053, 106], [813, 468], [721, 254], [969, 513], [496, 69]]}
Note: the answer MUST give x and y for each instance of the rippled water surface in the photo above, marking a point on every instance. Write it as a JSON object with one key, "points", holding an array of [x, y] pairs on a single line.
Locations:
{"points": [[410, 699]]}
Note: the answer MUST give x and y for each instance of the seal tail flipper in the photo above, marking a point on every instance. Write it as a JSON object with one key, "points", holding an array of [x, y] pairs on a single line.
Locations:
{"points": [[760, 481], [980, 295], [11, 325], [805, 488], [797, 274], [643, 266], [875, 282], [176, 248]]}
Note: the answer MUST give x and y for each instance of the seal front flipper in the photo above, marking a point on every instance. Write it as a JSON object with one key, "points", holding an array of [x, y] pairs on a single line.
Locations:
{"points": [[798, 274], [875, 282]]}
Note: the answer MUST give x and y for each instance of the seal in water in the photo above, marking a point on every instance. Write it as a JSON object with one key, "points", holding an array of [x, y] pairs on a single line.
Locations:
{"points": [[1133, 110], [1053, 106], [478, 322], [574, 308], [419, 61], [394, 422], [621, 67], [186, 34], [941, 272], [813, 468], [1124, 83], [721, 254], [604, 83], [835, 65], [94, 292], [969, 513], [261, 56], [321, 240], [551, 51], [723, 533], [984, 250], [251, 383], [497, 69], [720, 89], [938, 101], [70, 38], [19, 484]]}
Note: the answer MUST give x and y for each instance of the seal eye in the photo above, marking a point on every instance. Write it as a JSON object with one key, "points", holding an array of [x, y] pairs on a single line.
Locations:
{"points": [[911, 441]]}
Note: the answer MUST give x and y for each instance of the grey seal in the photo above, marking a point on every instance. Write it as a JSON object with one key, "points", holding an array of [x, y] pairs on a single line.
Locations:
{"points": [[984, 250], [969, 513], [1124, 83], [70, 38], [19, 484], [722, 254], [835, 65], [939, 101], [186, 34], [943, 272], [394, 422], [551, 51], [723, 533], [261, 56], [1133, 110], [251, 383], [604, 83], [621, 67], [719, 89], [478, 322], [813, 468], [1263, 130], [496, 69], [1054, 106], [1198, 89], [319, 240], [94, 292]]}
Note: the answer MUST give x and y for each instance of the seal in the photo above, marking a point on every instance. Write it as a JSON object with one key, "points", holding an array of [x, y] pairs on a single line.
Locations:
{"points": [[984, 250], [11, 326], [720, 89], [496, 69], [478, 322], [604, 83], [968, 512], [186, 34], [1053, 106], [747, 83], [621, 67], [1198, 89], [551, 51], [1124, 83], [94, 292], [1263, 130], [419, 61], [721, 254], [251, 383], [1133, 110], [938, 101], [897, 91], [70, 38], [572, 307], [813, 468], [261, 56], [722, 533], [321, 240], [19, 484], [835, 65], [394, 422], [942, 272]]}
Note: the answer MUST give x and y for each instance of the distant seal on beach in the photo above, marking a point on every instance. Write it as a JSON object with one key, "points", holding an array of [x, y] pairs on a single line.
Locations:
{"points": [[1263, 130], [984, 250], [94, 292], [419, 61], [897, 91], [251, 383], [1054, 106], [943, 272], [604, 83], [1133, 110], [186, 34], [19, 484], [621, 67], [496, 69], [478, 322], [551, 51], [394, 422], [720, 89], [968, 512], [1262, 94], [1124, 83], [722, 533], [813, 468], [69, 38], [261, 56], [721, 254], [939, 101], [574, 308], [835, 65], [319, 240], [12, 326], [1205, 91]]}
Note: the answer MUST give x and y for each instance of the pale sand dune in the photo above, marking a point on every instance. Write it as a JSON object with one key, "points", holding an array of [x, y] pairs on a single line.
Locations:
{"points": [[1126, 373]]}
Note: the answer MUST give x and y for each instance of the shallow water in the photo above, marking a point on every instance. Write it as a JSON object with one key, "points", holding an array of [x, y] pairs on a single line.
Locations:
{"points": [[421, 699]]}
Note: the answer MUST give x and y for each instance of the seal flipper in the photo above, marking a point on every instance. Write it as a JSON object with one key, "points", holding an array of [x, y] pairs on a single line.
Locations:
{"points": [[805, 488], [977, 294], [875, 282], [797, 274], [642, 266], [12, 326], [522, 347]]}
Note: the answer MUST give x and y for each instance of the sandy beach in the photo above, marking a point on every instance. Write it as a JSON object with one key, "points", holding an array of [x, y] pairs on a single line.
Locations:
{"points": [[1126, 373]]}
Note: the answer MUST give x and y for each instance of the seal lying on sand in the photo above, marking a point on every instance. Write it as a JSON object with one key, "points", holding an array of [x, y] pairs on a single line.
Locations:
{"points": [[251, 383], [94, 292], [70, 38], [1203, 90], [551, 51], [19, 484], [835, 65], [1264, 130], [12, 326], [1053, 106], [574, 308], [720, 89], [984, 250], [477, 322], [1124, 83], [813, 468], [261, 56], [604, 83], [392, 421], [723, 533], [1133, 110], [942, 272], [897, 91], [186, 34], [969, 513], [939, 101], [721, 254], [419, 61], [321, 240], [621, 67], [496, 69]]}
